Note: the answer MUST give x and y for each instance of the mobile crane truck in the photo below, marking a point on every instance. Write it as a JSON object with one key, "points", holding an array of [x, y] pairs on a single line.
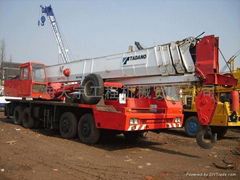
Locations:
{"points": [[73, 96], [227, 113]]}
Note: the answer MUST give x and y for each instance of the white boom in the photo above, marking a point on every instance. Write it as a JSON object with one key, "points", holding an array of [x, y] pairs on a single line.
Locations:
{"points": [[166, 63]]}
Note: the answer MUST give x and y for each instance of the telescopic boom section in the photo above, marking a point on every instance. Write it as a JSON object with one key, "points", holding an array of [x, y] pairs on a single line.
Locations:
{"points": [[48, 11], [185, 61]]}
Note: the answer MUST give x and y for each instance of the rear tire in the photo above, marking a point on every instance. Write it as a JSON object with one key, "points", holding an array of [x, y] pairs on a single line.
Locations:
{"points": [[68, 125], [87, 131], [92, 89], [17, 115], [27, 119]]}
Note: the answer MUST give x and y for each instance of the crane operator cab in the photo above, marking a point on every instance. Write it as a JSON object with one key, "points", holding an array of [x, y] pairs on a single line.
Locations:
{"points": [[31, 83]]}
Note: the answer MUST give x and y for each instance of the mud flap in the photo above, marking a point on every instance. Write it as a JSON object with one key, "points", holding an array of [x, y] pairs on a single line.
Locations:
{"points": [[205, 138]]}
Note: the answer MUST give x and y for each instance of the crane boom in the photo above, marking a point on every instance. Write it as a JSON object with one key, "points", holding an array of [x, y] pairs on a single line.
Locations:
{"points": [[48, 11], [183, 61], [162, 64]]}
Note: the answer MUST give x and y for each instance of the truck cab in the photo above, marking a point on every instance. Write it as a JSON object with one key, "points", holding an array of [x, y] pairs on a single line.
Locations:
{"points": [[32, 82]]}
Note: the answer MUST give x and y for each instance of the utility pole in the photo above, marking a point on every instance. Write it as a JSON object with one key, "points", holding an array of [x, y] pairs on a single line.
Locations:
{"points": [[10, 59], [2, 58]]}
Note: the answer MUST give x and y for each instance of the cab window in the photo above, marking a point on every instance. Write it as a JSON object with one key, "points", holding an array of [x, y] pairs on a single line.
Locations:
{"points": [[24, 73], [38, 73]]}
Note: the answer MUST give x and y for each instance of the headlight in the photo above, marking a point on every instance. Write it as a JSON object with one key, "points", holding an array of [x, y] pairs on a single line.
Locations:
{"points": [[178, 119], [133, 121]]}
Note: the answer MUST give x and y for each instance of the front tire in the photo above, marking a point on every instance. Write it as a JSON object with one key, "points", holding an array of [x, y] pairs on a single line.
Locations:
{"points": [[87, 131], [68, 125], [191, 126]]}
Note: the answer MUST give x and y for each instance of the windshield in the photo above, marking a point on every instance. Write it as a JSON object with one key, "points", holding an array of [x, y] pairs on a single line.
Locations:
{"points": [[38, 73], [172, 93]]}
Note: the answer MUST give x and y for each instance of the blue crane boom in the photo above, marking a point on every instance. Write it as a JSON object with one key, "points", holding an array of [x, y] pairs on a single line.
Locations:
{"points": [[48, 11]]}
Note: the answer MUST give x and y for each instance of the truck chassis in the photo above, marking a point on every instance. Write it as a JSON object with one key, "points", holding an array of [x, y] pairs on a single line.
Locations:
{"points": [[90, 121]]}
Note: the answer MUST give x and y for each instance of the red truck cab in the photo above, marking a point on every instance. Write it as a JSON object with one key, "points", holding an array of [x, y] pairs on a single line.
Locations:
{"points": [[32, 82]]}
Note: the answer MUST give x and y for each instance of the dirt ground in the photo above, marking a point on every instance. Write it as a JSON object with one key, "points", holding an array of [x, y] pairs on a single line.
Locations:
{"points": [[43, 154]]}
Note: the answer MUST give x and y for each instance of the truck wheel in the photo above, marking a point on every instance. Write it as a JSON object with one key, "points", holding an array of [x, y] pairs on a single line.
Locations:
{"points": [[18, 113], [27, 119], [191, 126], [87, 131], [36, 115], [68, 125], [133, 136], [92, 89], [37, 124], [220, 130]]}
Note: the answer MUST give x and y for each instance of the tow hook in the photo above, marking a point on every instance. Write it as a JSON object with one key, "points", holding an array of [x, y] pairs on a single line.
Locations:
{"points": [[205, 138]]}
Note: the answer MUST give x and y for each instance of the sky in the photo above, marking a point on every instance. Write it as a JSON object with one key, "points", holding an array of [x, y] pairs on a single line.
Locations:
{"points": [[92, 28]]}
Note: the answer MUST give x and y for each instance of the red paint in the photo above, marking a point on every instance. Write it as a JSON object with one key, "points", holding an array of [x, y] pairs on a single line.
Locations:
{"points": [[167, 112], [207, 55], [235, 101], [62, 90], [66, 72], [219, 79], [17, 88], [113, 84], [24, 85], [206, 105], [207, 63], [207, 68]]}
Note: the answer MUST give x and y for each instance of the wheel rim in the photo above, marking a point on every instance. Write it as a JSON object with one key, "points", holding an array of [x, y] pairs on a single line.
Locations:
{"points": [[192, 127], [86, 129], [65, 125], [89, 88]]}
